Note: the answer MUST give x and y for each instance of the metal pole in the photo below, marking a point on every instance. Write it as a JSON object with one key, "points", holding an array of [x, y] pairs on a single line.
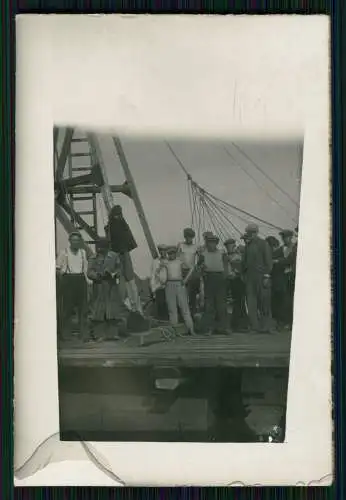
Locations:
{"points": [[135, 197], [97, 155], [65, 149], [120, 188]]}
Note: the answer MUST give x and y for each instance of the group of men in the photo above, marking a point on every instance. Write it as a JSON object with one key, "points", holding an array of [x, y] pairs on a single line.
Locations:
{"points": [[196, 285], [101, 289], [199, 283]]}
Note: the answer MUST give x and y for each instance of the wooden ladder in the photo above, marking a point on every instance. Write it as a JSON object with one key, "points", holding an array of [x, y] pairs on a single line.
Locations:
{"points": [[80, 162]]}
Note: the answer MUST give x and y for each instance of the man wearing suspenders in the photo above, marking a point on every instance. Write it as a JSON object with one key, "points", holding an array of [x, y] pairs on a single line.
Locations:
{"points": [[72, 268]]}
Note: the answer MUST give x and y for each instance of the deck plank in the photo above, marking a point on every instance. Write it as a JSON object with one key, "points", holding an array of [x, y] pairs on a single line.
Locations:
{"points": [[240, 349]]}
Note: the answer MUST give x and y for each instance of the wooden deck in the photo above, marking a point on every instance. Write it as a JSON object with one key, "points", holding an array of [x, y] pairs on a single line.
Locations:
{"points": [[236, 350]]}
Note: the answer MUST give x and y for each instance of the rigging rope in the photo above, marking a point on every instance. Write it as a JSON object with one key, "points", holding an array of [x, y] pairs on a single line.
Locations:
{"points": [[215, 216], [228, 230], [221, 213], [246, 220], [194, 216], [213, 226], [265, 174], [217, 212], [257, 183], [214, 219], [178, 160], [269, 224], [219, 232], [189, 190], [222, 231], [220, 205]]}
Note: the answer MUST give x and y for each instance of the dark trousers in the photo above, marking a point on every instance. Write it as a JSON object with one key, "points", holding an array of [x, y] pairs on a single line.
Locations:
{"points": [[127, 266], [193, 288], [282, 300], [161, 310], [276, 304], [215, 295], [258, 302], [287, 302], [74, 297], [236, 287]]}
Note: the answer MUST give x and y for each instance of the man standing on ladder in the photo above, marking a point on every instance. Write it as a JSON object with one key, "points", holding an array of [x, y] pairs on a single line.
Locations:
{"points": [[122, 242]]}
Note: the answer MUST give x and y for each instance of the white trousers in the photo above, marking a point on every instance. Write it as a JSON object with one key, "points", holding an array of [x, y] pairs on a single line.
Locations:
{"points": [[133, 296], [176, 296]]}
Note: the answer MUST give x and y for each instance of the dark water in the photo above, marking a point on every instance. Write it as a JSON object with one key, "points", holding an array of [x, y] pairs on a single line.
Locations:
{"points": [[115, 404]]}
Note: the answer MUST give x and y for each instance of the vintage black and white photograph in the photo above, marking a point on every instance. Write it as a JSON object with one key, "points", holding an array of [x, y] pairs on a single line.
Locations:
{"points": [[175, 278]]}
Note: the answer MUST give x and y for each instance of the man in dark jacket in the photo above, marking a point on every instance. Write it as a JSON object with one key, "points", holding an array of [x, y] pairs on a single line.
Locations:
{"points": [[123, 242], [285, 264], [257, 267], [212, 264], [276, 282], [235, 284]]}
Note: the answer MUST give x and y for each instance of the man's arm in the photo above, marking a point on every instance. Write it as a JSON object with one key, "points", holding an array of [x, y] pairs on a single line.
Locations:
{"points": [[268, 259], [280, 259], [112, 263], [60, 265], [291, 259], [188, 274], [85, 267], [225, 263], [153, 275], [92, 271]]}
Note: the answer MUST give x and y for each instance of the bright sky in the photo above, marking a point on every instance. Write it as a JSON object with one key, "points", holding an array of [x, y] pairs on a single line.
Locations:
{"points": [[162, 184]]}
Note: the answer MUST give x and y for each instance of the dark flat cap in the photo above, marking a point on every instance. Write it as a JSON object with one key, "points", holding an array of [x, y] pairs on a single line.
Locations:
{"points": [[188, 231], [75, 234], [102, 243], [286, 232], [212, 237], [230, 241], [207, 233], [171, 249], [251, 228], [117, 209]]}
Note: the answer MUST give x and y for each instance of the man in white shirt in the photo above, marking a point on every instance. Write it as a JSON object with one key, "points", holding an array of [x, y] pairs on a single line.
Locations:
{"points": [[158, 280], [187, 253], [176, 295], [72, 268]]}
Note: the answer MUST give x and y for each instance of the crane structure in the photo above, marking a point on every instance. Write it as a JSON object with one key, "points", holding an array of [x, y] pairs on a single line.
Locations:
{"points": [[78, 184], [80, 180]]}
